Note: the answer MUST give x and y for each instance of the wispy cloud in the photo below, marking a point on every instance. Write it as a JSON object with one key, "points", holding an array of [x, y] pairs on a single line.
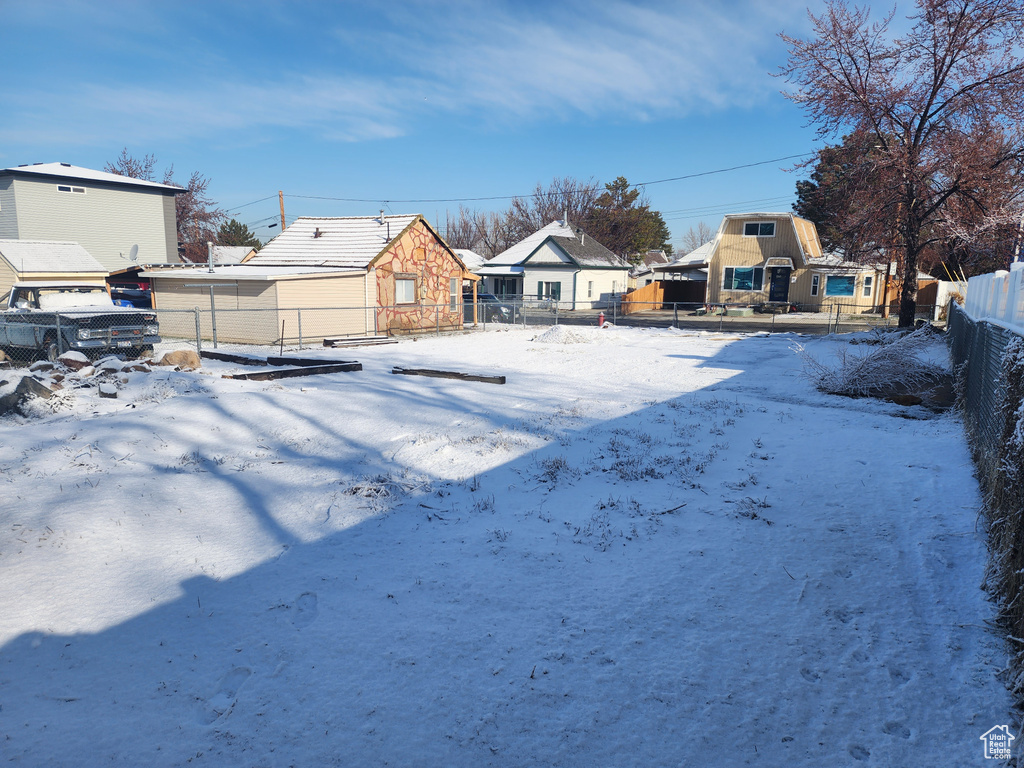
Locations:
{"points": [[494, 63]]}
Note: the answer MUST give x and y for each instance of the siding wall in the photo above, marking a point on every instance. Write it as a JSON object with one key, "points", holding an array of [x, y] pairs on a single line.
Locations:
{"points": [[106, 220], [605, 280], [8, 210], [331, 306]]}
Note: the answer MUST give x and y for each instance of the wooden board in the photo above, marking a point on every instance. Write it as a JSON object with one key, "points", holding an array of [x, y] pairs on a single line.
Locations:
{"points": [[227, 357], [357, 341], [289, 373], [305, 361], [448, 375]]}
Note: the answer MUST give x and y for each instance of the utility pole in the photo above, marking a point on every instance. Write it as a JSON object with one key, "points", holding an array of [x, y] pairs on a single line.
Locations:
{"points": [[280, 197]]}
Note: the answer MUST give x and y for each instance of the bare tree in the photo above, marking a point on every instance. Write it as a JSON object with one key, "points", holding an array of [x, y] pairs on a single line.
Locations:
{"points": [[564, 197], [133, 167], [943, 106], [198, 217], [695, 238]]}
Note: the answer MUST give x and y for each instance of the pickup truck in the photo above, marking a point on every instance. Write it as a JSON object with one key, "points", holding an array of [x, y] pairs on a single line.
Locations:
{"points": [[46, 319]]}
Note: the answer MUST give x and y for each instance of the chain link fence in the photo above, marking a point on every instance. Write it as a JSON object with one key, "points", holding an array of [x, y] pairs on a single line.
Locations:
{"points": [[27, 335], [31, 335], [977, 349]]}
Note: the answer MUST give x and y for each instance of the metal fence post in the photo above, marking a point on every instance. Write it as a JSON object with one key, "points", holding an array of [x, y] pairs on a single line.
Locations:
{"points": [[437, 320], [60, 337], [299, 313], [614, 322], [556, 313], [772, 329], [675, 315], [213, 318], [199, 335]]}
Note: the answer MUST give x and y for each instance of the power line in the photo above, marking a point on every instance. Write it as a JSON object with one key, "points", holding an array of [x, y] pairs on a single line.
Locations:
{"points": [[245, 205], [386, 201]]}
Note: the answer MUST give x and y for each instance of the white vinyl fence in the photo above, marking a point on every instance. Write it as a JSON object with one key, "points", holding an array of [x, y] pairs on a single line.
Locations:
{"points": [[998, 298]]}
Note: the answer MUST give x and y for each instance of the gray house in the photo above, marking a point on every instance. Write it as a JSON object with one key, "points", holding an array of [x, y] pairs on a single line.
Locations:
{"points": [[104, 213]]}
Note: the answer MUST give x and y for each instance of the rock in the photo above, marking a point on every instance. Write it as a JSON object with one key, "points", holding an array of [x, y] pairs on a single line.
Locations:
{"points": [[41, 366], [87, 371], [27, 387], [4, 356], [185, 359], [76, 361], [109, 366], [108, 390], [139, 368]]}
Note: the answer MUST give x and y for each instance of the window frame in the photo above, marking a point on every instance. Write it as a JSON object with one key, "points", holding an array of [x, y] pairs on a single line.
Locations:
{"points": [[455, 293], [852, 283], [815, 284], [756, 279], [399, 279], [760, 225], [68, 188], [868, 286]]}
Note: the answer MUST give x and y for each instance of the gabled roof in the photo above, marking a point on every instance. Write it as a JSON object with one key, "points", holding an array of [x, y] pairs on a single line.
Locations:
{"points": [[806, 232], [698, 257], [75, 173], [48, 256], [576, 244], [349, 242]]}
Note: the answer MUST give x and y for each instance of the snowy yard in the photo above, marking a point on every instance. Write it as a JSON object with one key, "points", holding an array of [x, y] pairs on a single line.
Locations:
{"points": [[648, 548]]}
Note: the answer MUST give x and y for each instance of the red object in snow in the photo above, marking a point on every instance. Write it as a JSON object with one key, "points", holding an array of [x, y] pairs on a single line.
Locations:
{"points": [[600, 319]]}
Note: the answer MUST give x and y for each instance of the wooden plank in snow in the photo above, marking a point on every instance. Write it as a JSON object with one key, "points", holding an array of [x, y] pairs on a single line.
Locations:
{"points": [[358, 341], [448, 375], [289, 373], [304, 361], [227, 357]]}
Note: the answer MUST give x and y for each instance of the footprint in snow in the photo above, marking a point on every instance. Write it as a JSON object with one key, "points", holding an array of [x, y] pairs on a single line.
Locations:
{"points": [[810, 675], [896, 728], [305, 610], [857, 752], [224, 699]]}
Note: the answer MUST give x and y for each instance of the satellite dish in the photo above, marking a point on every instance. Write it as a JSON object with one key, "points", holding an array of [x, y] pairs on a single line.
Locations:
{"points": [[133, 254]]}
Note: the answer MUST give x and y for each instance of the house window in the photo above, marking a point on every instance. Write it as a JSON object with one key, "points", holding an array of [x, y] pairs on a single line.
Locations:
{"points": [[453, 294], [840, 285], [868, 285], [743, 279], [405, 290], [76, 190], [551, 291], [590, 289], [815, 283], [759, 229]]}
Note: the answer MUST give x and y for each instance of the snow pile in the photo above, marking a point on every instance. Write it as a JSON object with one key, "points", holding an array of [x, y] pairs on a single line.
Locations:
{"points": [[565, 334]]}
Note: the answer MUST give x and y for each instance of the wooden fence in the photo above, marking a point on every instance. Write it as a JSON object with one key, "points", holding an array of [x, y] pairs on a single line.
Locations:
{"points": [[649, 297]]}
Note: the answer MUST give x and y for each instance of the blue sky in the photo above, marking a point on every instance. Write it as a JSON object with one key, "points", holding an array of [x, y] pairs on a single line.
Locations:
{"points": [[390, 102]]}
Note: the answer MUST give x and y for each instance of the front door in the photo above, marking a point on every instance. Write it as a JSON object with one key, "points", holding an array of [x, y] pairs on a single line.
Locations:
{"points": [[779, 290]]}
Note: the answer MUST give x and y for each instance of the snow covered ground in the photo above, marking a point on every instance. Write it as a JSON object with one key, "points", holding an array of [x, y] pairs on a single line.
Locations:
{"points": [[647, 548]]}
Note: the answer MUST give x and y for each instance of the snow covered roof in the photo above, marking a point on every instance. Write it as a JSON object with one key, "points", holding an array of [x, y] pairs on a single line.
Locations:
{"points": [[231, 254], [471, 259], [48, 256], [246, 271], [584, 250], [351, 242], [695, 258], [74, 172]]}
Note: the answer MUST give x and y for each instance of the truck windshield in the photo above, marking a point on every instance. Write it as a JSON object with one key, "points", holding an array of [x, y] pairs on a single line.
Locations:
{"points": [[62, 298]]}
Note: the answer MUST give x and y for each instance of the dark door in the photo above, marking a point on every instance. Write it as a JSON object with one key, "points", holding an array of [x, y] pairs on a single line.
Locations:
{"points": [[779, 290]]}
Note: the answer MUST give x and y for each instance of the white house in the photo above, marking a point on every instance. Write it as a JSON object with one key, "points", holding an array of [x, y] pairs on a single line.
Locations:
{"points": [[559, 263]]}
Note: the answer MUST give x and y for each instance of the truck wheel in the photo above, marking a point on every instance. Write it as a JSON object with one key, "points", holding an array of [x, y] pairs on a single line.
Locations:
{"points": [[50, 349]]}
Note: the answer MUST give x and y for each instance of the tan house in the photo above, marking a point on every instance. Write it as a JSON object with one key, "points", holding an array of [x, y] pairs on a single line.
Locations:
{"points": [[34, 260], [321, 278], [776, 258]]}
